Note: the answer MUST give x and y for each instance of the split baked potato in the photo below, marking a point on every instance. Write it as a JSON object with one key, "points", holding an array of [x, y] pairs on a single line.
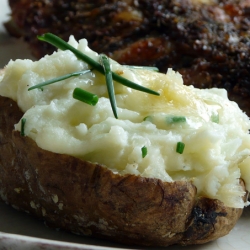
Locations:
{"points": [[78, 168]]}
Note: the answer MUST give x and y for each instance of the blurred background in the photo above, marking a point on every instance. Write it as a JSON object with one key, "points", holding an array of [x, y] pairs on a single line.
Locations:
{"points": [[10, 48]]}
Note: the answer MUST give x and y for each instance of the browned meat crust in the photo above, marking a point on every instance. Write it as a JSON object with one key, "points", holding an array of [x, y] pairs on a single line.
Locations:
{"points": [[209, 42]]}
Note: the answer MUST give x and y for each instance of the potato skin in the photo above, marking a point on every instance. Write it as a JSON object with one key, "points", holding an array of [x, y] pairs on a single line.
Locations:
{"points": [[89, 199]]}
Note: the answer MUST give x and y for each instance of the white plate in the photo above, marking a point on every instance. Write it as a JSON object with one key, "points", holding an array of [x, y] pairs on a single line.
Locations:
{"points": [[20, 231]]}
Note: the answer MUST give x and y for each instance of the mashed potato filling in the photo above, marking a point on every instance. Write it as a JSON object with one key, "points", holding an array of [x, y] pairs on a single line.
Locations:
{"points": [[213, 129]]}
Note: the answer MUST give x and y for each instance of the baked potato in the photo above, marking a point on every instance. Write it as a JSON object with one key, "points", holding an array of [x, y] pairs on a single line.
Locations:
{"points": [[80, 169]]}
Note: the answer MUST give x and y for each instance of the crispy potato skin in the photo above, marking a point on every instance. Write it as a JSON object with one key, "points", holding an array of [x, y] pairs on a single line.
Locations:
{"points": [[86, 198]]}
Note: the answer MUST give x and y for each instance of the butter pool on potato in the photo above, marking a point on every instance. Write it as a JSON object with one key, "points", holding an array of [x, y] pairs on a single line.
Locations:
{"points": [[214, 129]]}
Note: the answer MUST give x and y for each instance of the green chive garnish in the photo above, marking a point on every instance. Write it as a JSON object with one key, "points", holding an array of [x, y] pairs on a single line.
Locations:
{"points": [[142, 67], [84, 96], [176, 119], [144, 151], [215, 118], [61, 44], [180, 147], [23, 121], [109, 82], [57, 79]]}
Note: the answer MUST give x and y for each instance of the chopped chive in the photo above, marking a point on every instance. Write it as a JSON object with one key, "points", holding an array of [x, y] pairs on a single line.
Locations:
{"points": [[61, 44], [142, 67], [109, 82], [148, 118], [144, 151], [180, 147], [23, 121], [215, 118], [176, 119], [57, 79], [85, 96]]}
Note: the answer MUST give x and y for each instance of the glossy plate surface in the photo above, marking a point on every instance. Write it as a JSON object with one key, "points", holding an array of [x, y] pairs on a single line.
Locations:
{"points": [[20, 231]]}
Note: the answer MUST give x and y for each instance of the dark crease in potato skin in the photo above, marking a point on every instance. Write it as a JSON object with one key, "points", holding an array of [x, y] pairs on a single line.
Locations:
{"points": [[86, 198]]}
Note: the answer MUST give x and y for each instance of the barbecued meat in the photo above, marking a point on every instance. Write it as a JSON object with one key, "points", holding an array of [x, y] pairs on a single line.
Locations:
{"points": [[208, 41]]}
